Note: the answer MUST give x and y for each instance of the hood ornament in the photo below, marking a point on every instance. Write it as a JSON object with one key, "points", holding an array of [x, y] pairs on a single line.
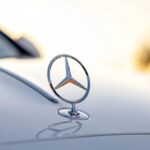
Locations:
{"points": [[72, 112]]}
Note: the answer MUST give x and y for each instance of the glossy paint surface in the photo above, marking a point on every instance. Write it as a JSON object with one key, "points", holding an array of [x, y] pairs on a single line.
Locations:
{"points": [[28, 116]]}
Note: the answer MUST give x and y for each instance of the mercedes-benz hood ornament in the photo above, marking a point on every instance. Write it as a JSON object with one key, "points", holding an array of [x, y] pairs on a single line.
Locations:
{"points": [[72, 112]]}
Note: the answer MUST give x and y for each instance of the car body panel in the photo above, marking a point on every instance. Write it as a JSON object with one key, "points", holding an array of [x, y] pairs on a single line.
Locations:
{"points": [[28, 116], [96, 143]]}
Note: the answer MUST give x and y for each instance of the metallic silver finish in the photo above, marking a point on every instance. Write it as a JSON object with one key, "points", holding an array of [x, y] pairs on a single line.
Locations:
{"points": [[72, 113], [120, 114], [69, 78], [78, 115]]}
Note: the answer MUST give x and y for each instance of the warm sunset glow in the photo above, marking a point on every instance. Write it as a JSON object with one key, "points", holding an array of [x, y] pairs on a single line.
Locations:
{"points": [[105, 35], [106, 30]]}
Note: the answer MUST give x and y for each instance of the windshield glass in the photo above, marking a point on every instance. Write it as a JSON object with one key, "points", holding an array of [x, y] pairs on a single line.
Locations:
{"points": [[7, 49]]}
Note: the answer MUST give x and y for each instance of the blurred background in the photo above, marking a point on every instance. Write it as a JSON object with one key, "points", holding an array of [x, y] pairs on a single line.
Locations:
{"points": [[112, 36]]}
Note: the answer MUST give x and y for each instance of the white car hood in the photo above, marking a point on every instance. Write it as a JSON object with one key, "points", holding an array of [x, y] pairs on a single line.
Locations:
{"points": [[116, 105]]}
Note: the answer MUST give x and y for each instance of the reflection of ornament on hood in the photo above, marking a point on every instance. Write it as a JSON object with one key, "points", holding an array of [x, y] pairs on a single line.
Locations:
{"points": [[61, 129]]}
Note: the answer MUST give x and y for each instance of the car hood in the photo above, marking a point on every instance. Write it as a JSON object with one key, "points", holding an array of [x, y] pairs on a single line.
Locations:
{"points": [[118, 104]]}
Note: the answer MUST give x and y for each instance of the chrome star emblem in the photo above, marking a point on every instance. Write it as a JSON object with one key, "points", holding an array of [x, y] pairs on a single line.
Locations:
{"points": [[72, 113], [69, 78]]}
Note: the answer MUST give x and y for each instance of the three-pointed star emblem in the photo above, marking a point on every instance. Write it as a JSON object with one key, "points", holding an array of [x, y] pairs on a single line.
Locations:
{"points": [[69, 78]]}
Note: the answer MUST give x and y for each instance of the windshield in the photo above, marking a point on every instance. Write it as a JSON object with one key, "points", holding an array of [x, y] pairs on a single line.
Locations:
{"points": [[7, 49]]}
